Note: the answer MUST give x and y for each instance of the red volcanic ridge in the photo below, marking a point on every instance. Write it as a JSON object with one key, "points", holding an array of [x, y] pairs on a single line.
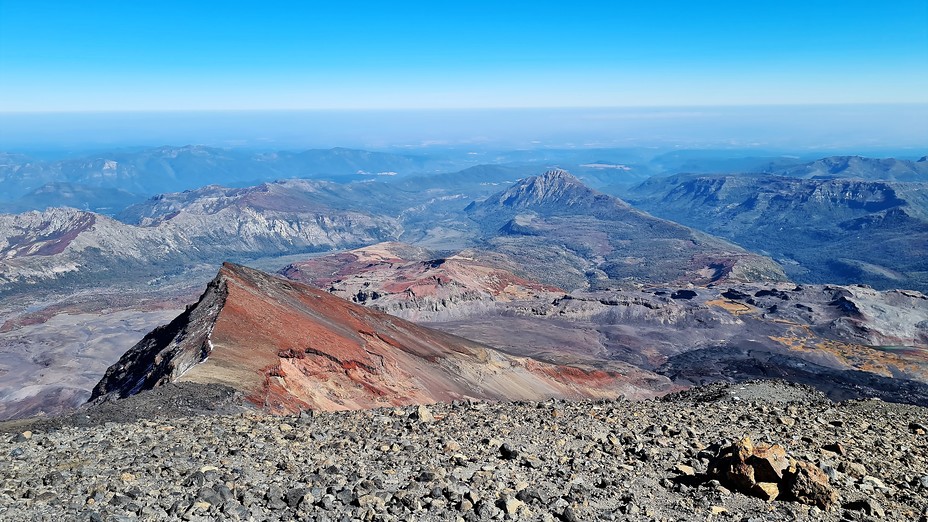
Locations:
{"points": [[288, 346]]}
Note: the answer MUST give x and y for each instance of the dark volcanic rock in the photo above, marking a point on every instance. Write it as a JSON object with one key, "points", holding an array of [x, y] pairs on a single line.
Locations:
{"points": [[808, 484], [600, 460], [157, 359]]}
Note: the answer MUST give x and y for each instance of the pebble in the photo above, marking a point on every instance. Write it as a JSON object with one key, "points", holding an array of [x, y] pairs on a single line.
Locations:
{"points": [[508, 452], [552, 461], [424, 414]]}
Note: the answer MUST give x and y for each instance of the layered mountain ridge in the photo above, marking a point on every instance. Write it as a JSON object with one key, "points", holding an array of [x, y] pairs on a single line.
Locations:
{"points": [[821, 230], [287, 346], [411, 283], [848, 341], [44, 248]]}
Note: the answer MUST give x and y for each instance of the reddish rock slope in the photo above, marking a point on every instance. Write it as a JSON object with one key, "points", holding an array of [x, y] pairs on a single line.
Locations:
{"points": [[289, 346], [408, 282]]}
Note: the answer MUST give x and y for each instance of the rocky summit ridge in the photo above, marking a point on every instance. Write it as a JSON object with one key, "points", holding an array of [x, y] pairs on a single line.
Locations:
{"points": [[555, 189], [287, 346], [759, 451]]}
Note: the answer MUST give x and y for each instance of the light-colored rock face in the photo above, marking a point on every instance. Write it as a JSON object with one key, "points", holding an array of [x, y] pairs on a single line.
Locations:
{"points": [[289, 346], [555, 188], [887, 318], [38, 247], [41, 233]]}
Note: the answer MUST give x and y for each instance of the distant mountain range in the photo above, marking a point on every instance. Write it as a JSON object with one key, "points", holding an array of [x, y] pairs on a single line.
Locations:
{"points": [[544, 268], [820, 230], [75, 248], [74, 195], [552, 224], [557, 228], [857, 167], [805, 166], [108, 182], [170, 169]]}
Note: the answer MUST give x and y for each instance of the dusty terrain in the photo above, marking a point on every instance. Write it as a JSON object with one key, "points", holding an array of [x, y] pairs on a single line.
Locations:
{"points": [[51, 367], [849, 341], [162, 456]]}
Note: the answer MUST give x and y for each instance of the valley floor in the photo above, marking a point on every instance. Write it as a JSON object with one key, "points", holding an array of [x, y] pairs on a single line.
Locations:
{"points": [[163, 455]]}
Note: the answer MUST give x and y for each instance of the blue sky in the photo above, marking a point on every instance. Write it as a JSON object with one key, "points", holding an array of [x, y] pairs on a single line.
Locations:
{"points": [[226, 55]]}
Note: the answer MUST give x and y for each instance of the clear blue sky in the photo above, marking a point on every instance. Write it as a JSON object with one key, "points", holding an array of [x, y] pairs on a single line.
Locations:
{"points": [[197, 54]]}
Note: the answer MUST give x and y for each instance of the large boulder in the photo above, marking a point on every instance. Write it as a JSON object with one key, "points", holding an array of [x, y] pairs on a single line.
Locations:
{"points": [[766, 471]]}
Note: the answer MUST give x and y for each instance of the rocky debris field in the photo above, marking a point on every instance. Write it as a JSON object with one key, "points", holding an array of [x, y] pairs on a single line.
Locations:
{"points": [[704, 454]]}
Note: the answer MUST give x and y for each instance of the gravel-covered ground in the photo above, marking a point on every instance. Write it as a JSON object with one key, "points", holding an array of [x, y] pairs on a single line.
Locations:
{"points": [[556, 460]]}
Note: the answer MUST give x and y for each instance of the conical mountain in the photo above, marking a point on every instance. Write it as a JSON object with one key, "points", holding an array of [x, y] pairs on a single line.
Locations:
{"points": [[556, 189], [288, 346]]}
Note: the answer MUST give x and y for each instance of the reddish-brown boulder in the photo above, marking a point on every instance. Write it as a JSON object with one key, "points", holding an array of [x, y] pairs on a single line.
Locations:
{"points": [[765, 471], [808, 484]]}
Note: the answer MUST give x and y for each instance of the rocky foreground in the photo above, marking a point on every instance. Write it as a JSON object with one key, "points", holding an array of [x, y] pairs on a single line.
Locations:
{"points": [[160, 455]]}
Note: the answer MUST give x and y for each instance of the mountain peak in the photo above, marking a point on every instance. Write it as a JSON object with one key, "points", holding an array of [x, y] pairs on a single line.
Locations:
{"points": [[554, 192], [557, 173], [287, 346], [556, 179]]}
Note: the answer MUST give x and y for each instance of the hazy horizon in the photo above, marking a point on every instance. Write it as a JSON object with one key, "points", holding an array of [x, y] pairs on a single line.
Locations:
{"points": [[845, 128], [792, 75]]}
